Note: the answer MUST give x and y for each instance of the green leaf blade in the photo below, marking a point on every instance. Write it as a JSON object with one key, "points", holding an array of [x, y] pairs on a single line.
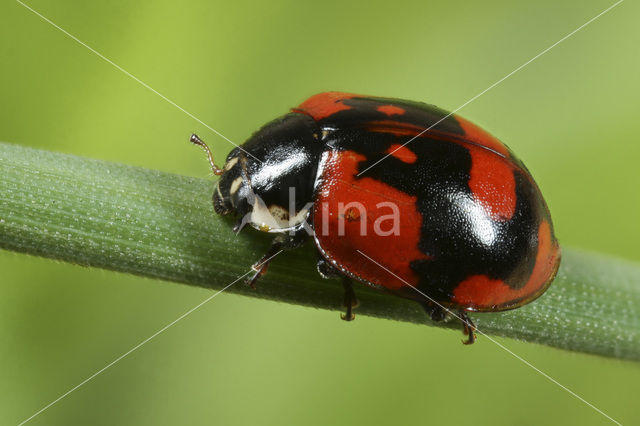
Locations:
{"points": [[161, 225]]}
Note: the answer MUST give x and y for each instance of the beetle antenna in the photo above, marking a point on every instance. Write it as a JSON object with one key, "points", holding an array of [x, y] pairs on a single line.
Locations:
{"points": [[194, 139]]}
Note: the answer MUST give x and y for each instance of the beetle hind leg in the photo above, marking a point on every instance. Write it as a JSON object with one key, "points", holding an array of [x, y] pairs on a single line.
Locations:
{"points": [[436, 312], [350, 300], [469, 328], [439, 313]]}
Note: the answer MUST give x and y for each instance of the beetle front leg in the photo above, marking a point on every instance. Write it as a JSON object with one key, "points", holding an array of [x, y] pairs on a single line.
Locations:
{"points": [[261, 266], [280, 243]]}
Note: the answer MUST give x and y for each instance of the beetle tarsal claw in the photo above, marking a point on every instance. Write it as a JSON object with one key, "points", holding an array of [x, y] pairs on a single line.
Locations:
{"points": [[351, 317]]}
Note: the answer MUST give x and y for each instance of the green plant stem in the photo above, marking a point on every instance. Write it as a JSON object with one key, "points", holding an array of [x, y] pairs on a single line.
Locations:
{"points": [[161, 225]]}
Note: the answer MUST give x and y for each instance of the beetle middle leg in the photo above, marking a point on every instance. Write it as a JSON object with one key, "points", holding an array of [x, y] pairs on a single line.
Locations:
{"points": [[350, 300]]}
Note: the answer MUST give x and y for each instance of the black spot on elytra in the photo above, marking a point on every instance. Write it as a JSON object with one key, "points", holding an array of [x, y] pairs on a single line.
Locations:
{"points": [[457, 233]]}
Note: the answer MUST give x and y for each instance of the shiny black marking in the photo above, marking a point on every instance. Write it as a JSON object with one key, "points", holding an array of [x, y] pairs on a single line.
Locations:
{"points": [[290, 155], [439, 179]]}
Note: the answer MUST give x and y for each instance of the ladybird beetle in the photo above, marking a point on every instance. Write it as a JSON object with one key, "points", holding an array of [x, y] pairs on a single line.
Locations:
{"points": [[472, 231]]}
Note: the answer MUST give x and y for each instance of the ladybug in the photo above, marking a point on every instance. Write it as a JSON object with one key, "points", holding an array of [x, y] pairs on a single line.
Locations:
{"points": [[398, 195]]}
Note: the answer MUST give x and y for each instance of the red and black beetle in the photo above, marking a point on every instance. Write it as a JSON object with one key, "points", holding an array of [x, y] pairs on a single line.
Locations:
{"points": [[473, 231]]}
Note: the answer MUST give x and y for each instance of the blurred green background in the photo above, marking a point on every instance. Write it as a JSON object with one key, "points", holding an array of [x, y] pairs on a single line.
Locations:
{"points": [[571, 116]]}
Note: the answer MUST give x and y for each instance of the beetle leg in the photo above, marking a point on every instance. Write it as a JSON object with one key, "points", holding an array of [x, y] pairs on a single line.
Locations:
{"points": [[435, 312], [438, 313], [260, 267], [325, 269], [279, 243], [469, 327], [350, 300]]}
